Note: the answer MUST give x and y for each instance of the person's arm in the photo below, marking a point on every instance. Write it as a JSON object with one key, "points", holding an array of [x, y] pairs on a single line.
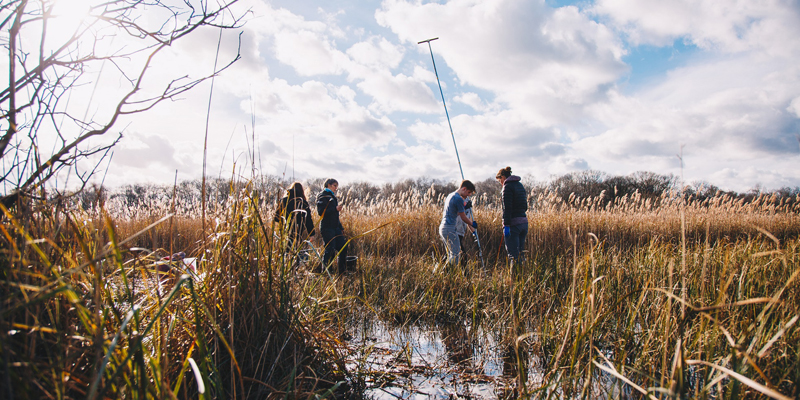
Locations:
{"points": [[338, 208], [508, 203], [466, 220], [309, 220], [321, 205], [332, 209], [326, 206]]}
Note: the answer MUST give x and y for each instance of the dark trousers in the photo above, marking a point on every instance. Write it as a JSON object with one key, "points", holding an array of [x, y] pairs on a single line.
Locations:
{"points": [[515, 241], [334, 243], [462, 260]]}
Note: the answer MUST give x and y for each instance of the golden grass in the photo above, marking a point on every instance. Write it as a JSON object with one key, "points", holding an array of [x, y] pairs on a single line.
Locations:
{"points": [[620, 287]]}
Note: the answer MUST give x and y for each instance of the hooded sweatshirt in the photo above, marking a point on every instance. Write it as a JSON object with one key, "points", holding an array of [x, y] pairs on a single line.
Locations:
{"points": [[515, 202], [326, 208], [295, 210]]}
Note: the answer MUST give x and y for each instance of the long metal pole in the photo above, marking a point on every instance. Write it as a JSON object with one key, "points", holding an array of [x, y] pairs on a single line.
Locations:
{"points": [[452, 135], [444, 104]]}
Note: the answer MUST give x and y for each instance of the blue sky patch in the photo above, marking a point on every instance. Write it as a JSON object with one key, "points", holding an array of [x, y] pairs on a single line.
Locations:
{"points": [[650, 63]]}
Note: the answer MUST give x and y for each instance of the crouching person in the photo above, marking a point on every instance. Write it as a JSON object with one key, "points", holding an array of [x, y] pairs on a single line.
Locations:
{"points": [[453, 211], [330, 226]]}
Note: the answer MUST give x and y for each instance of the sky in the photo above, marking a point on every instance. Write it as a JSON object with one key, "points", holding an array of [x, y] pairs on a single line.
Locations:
{"points": [[707, 90]]}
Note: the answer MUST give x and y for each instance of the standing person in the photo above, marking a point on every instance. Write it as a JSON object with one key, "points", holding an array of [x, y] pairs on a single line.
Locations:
{"points": [[515, 205], [294, 215], [330, 227], [454, 210]]}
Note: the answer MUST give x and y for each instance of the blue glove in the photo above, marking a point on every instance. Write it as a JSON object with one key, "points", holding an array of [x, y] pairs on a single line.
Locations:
{"points": [[474, 224], [506, 231]]}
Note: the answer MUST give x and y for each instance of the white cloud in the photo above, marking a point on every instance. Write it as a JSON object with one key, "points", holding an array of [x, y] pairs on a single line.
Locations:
{"points": [[431, 161], [729, 26], [156, 149], [794, 107], [424, 74], [732, 109], [318, 57], [376, 53], [373, 62], [742, 178], [326, 115], [471, 99], [398, 93], [531, 57], [485, 141], [268, 21], [368, 63]]}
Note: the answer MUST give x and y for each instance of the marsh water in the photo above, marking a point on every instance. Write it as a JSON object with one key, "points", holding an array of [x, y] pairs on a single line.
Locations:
{"points": [[431, 361], [451, 361]]}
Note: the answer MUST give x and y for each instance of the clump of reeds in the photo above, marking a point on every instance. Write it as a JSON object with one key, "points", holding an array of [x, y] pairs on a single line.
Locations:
{"points": [[87, 314]]}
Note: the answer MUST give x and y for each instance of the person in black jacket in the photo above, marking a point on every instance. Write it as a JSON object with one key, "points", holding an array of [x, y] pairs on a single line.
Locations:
{"points": [[515, 205], [294, 216], [330, 227]]}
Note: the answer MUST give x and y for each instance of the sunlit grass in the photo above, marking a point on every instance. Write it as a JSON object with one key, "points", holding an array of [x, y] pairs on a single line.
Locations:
{"points": [[606, 291], [87, 286]]}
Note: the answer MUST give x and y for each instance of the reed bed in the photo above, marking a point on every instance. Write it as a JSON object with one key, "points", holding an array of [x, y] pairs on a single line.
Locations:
{"points": [[86, 314], [669, 297], [644, 297]]}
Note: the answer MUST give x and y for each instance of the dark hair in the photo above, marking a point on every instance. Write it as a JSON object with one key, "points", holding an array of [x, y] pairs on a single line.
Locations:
{"points": [[330, 181], [296, 190], [505, 172], [469, 185]]}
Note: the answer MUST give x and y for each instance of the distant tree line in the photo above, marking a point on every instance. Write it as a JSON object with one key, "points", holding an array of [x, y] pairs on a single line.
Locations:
{"points": [[186, 196]]}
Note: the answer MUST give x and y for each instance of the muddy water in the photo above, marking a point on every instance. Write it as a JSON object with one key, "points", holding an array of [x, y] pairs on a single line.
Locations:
{"points": [[431, 362]]}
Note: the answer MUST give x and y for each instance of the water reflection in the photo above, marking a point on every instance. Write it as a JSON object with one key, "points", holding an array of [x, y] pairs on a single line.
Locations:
{"points": [[459, 345], [514, 369], [437, 361]]}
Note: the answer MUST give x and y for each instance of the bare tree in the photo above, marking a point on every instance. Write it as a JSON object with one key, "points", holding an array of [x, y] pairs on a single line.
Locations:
{"points": [[56, 48]]}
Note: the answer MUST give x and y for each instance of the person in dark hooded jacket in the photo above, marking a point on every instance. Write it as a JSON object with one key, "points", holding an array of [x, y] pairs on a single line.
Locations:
{"points": [[515, 206], [330, 227], [294, 215]]}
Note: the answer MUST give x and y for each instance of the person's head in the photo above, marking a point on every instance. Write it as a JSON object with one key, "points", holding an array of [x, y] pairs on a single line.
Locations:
{"points": [[332, 184], [503, 174], [467, 189], [296, 190]]}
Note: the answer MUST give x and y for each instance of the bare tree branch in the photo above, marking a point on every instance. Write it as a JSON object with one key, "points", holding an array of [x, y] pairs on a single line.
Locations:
{"points": [[41, 135]]}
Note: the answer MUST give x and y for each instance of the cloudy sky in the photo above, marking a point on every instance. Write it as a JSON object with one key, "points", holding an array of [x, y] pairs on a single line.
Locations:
{"points": [[342, 89]]}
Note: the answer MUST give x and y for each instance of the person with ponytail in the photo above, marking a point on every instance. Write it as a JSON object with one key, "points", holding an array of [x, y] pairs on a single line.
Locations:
{"points": [[515, 220], [294, 216]]}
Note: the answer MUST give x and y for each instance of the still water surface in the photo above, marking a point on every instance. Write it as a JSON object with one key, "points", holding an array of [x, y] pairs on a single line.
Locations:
{"points": [[430, 362]]}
